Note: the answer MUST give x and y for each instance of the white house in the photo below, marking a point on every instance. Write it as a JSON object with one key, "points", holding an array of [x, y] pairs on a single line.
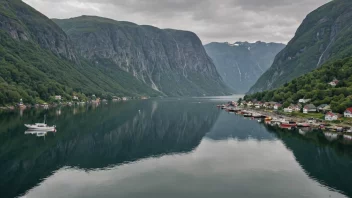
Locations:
{"points": [[334, 83], [258, 105], [57, 97], [304, 100], [250, 103], [288, 110], [348, 113], [277, 106], [331, 116], [75, 97], [295, 107], [310, 109]]}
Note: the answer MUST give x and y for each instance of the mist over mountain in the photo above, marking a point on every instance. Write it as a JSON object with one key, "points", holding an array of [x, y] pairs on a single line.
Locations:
{"points": [[241, 64]]}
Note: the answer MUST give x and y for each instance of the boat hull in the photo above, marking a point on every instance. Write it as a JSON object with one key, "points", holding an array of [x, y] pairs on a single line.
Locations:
{"points": [[30, 127], [288, 125]]}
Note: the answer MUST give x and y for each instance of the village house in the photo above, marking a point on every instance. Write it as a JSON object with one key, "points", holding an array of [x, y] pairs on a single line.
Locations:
{"points": [[296, 107], [288, 110], [258, 105], [124, 98], [277, 106], [330, 116], [266, 105], [310, 109], [348, 113], [115, 98], [304, 100], [249, 104], [321, 107], [75, 97], [327, 109], [334, 83], [58, 97], [269, 105]]}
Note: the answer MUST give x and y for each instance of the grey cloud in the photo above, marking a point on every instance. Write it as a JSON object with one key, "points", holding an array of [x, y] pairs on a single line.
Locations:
{"points": [[219, 20]]}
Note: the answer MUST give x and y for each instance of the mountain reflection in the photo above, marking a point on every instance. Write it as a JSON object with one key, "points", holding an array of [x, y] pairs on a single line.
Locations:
{"points": [[237, 127], [98, 138], [328, 162]]}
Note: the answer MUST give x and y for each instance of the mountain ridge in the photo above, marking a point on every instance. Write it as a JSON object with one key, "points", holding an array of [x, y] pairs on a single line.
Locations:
{"points": [[38, 61], [325, 34], [173, 62]]}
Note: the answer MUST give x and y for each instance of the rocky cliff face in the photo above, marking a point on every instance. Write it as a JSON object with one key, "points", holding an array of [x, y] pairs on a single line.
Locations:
{"points": [[38, 61], [172, 62], [324, 35], [242, 63], [24, 23]]}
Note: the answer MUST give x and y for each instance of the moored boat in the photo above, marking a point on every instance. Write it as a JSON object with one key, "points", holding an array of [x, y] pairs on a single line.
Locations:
{"points": [[288, 124], [303, 125], [40, 126], [247, 115]]}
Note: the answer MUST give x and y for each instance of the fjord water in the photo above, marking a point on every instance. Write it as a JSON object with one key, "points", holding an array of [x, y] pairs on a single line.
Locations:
{"points": [[166, 148]]}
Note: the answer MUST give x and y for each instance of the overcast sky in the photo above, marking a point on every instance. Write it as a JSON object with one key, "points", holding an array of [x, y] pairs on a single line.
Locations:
{"points": [[211, 20]]}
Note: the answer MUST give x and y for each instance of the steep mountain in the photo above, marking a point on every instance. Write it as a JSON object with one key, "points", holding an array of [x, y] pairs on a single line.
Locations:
{"points": [[242, 63], [38, 61], [316, 85], [325, 34], [171, 62]]}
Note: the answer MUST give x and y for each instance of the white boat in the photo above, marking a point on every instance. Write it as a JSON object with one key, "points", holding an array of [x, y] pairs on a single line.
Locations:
{"points": [[40, 126]]}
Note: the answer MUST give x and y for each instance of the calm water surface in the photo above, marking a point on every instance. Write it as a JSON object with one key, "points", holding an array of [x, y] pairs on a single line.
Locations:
{"points": [[166, 148]]}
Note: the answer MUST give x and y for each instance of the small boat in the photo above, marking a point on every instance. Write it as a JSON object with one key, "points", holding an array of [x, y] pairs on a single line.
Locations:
{"points": [[247, 115], [303, 125], [231, 109], [257, 116], [40, 126], [288, 124], [267, 119]]}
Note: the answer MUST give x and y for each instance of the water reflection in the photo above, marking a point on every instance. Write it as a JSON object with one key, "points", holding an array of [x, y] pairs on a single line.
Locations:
{"points": [[324, 157], [167, 148], [38, 133], [108, 136], [237, 127]]}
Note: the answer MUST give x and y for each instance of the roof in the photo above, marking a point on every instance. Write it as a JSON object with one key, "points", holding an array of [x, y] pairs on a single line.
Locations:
{"points": [[349, 110], [330, 114], [295, 105], [326, 107], [322, 106], [310, 106]]}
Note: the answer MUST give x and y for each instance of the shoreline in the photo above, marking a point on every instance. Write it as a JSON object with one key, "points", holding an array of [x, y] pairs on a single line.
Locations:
{"points": [[314, 122]]}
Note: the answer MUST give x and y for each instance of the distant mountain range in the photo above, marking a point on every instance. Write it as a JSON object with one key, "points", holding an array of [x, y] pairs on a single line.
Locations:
{"points": [[324, 35], [98, 56], [241, 64]]}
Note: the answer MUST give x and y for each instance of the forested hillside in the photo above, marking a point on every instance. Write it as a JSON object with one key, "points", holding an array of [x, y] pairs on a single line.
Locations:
{"points": [[315, 85], [38, 61], [324, 35]]}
